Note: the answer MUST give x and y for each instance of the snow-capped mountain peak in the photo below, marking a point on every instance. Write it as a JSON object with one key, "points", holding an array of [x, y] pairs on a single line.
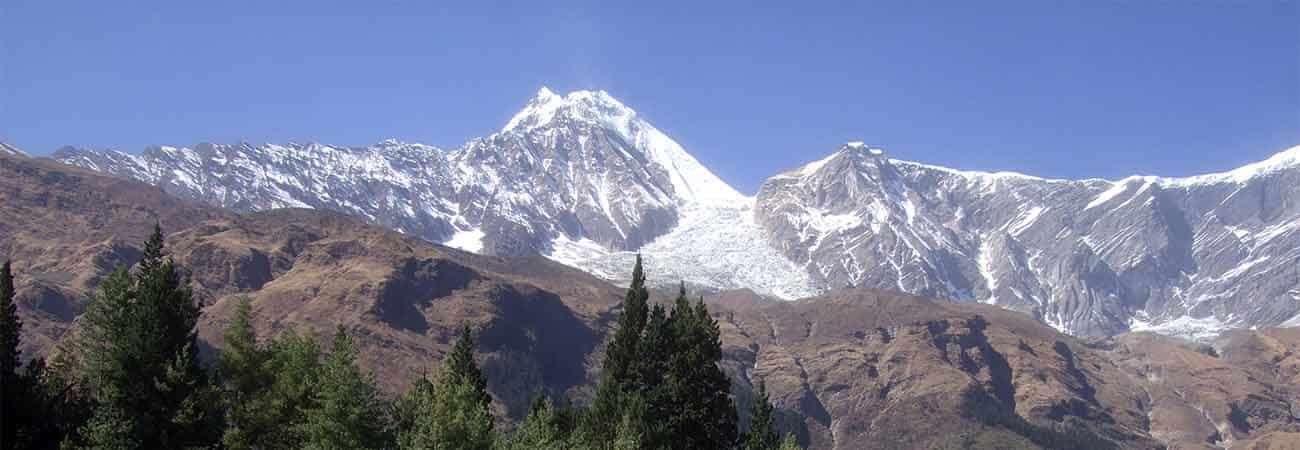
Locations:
{"points": [[546, 107], [692, 183]]}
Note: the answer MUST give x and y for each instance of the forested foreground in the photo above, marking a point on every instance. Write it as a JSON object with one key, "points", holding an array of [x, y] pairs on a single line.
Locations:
{"points": [[130, 377]]}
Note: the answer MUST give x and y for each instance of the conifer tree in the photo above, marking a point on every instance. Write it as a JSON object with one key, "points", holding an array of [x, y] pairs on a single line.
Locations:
{"points": [[658, 345], [51, 408], [619, 385], [140, 355], [10, 326], [294, 362], [452, 415], [705, 414], [762, 428], [12, 390], [348, 412], [243, 365], [621, 355], [543, 428], [461, 365]]}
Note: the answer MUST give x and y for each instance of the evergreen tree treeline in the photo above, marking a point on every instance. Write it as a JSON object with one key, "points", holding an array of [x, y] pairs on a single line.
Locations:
{"points": [[134, 380]]}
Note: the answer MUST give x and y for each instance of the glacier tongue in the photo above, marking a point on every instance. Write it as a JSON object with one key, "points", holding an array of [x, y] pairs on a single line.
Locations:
{"points": [[714, 247]]}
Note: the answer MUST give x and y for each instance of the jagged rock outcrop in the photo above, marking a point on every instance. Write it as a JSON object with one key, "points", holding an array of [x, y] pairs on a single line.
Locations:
{"points": [[1189, 256]]}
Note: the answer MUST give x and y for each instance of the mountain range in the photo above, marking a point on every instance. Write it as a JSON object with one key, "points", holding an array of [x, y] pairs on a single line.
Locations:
{"points": [[587, 181], [848, 369]]}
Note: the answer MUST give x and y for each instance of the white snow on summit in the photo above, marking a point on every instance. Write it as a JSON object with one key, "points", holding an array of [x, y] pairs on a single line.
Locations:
{"points": [[692, 182]]}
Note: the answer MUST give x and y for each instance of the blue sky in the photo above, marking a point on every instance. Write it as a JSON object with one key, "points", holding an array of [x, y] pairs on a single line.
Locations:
{"points": [[1068, 88]]}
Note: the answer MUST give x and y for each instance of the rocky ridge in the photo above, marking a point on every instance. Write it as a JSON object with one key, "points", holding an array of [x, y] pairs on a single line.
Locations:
{"points": [[589, 182]]}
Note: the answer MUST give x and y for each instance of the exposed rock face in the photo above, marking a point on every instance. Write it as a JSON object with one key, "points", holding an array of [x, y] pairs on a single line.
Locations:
{"points": [[586, 181], [1188, 256], [865, 368], [583, 166], [1242, 392]]}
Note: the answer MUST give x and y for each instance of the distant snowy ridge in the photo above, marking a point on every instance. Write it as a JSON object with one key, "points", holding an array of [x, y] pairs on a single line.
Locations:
{"points": [[11, 150], [1093, 257]]}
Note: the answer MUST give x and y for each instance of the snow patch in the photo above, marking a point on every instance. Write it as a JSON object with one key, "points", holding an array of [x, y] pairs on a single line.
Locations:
{"points": [[717, 247], [1197, 329], [467, 240]]}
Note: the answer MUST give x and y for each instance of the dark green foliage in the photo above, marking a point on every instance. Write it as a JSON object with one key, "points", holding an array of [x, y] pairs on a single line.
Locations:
{"points": [[656, 387], [452, 415], [247, 381], [140, 360], [347, 411], [11, 387], [662, 377], [461, 366], [10, 326], [762, 433], [618, 385], [38, 407], [705, 416], [279, 412], [544, 428]]}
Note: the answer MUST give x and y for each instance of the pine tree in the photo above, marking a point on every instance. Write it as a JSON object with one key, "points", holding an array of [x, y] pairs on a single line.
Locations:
{"points": [[657, 349], [294, 362], [622, 356], [762, 429], [10, 326], [139, 345], [348, 412], [701, 392], [247, 382], [461, 365], [52, 408], [543, 428], [452, 415], [12, 391]]}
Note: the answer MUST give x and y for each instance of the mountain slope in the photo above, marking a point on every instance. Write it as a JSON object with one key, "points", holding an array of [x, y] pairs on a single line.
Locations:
{"points": [[587, 181], [851, 369], [1187, 256]]}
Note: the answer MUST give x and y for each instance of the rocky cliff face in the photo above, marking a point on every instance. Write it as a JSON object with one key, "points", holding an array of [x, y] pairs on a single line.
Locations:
{"points": [[587, 181], [1188, 256], [581, 167]]}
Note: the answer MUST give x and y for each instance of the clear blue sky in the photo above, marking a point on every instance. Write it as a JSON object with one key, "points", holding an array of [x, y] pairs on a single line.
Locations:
{"points": [[1064, 88]]}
